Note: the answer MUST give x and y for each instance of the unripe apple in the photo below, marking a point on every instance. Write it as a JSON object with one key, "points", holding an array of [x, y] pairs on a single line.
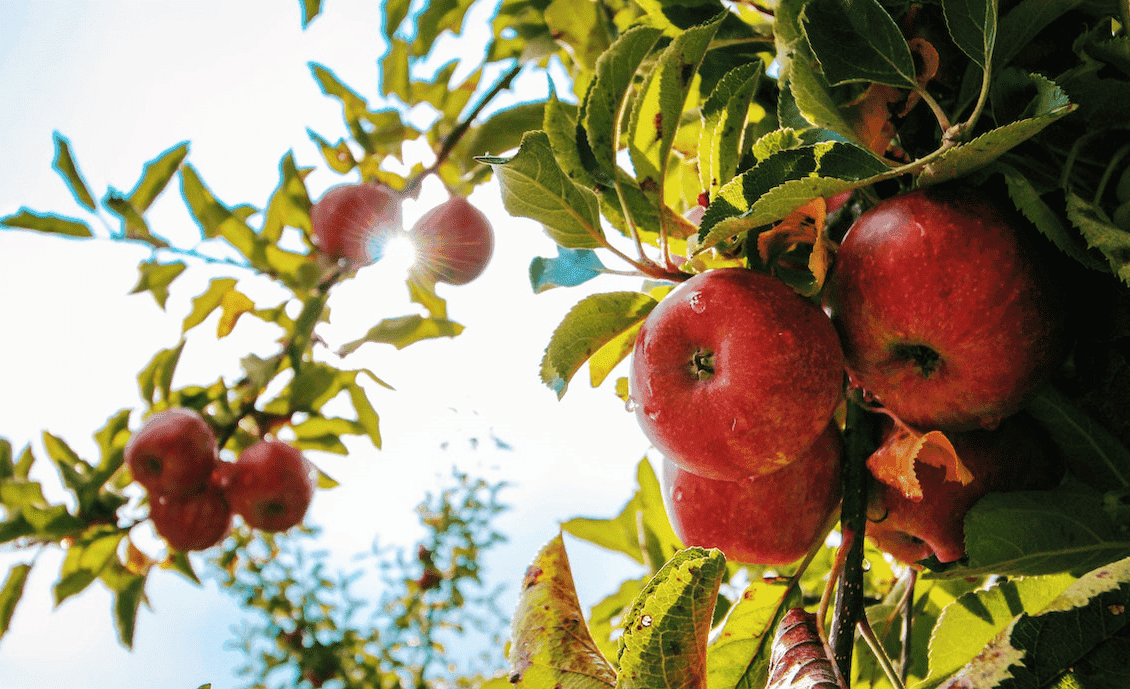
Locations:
{"points": [[454, 242], [352, 221], [173, 453], [772, 519], [734, 374], [948, 316], [270, 485], [1019, 455], [191, 522]]}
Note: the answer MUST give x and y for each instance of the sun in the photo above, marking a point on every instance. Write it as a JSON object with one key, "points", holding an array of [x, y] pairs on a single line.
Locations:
{"points": [[396, 251]]}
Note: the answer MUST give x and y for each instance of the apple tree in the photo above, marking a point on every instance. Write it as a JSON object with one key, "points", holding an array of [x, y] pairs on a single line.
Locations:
{"points": [[690, 139]]}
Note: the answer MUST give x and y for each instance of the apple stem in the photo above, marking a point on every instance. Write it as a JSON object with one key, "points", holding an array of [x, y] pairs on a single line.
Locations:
{"points": [[880, 655], [907, 624]]}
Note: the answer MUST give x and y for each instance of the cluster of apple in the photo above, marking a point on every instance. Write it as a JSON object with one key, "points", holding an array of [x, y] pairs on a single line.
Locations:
{"points": [[453, 241], [193, 493], [940, 312]]}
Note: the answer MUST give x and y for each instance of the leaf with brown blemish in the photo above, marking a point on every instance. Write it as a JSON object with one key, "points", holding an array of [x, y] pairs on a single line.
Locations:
{"points": [[552, 645]]}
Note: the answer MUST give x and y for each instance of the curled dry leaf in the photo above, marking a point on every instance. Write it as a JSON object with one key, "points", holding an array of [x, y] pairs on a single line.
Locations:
{"points": [[893, 462], [799, 659]]}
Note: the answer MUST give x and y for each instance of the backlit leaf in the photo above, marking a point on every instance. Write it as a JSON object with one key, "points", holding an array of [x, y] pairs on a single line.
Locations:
{"points": [[47, 222], [74, 471], [64, 164], [157, 376], [721, 141], [588, 326], [366, 416], [665, 632], [739, 655], [155, 177], [209, 301], [155, 278], [310, 10], [403, 331], [1036, 648], [10, 594], [126, 604], [233, 304], [290, 203], [1101, 234], [551, 643], [534, 186], [970, 623]]}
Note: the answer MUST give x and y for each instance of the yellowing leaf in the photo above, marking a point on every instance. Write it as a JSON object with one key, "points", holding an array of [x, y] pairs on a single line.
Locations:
{"points": [[552, 645], [893, 462], [234, 304]]}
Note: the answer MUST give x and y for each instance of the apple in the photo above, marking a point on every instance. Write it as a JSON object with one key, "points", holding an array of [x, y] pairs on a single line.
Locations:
{"points": [[1018, 455], [191, 522], [352, 221], [734, 374], [948, 316], [772, 519], [454, 242], [173, 453], [270, 485]]}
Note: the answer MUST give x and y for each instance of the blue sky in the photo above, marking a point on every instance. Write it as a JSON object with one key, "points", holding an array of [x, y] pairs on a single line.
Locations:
{"points": [[124, 81]]}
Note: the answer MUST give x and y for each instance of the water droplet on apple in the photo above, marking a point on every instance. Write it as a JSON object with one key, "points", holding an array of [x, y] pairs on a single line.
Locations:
{"points": [[697, 303], [677, 495], [652, 414], [630, 405]]}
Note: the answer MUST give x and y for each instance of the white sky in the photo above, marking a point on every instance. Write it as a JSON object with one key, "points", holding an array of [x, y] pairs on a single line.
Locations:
{"points": [[123, 81]]}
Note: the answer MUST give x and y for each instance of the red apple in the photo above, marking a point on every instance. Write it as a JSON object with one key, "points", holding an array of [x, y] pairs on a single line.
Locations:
{"points": [[772, 519], [191, 522], [352, 221], [1019, 455], [947, 315], [270, 485], [173, 453], [734, 374], [454, 242]]}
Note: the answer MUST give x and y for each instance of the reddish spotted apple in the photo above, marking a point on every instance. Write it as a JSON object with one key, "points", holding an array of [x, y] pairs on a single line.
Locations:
{"points": [[191, 522], [1018, 455], [454, 242], [173, 453], [353, 221], [948, 316], [734, 374], [270, 485], [772, 519]]}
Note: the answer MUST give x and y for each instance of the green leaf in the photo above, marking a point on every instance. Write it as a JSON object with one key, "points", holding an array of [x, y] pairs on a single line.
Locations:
{"points": [[133, 225], [158, 373], [1040, 532], [551, 644], [16, 527], [64, 164], [1049, 105], [1035, 649], [603, 108], [321, 433], [503, 130], [126, 604], [233, 304], [658, 108], [47, 222], [721, 141], [1028, 202], [74, 471], [534, 186], [23, 464], [85, 559], [209, 301], [1091, 452], [1101, 234], [214, 218], [581, 26], [337, 156], [973, 26], [739, 656], [7, 467], [354, 106], [604, 616], [155, 177], [111, 439], [856, 40], [11, 593], [155, 278], [395, 11], [587, 327], [570, 268], [970, 623], [641, 530], [665, 632], [367, 417], [290, 203], [403, 331], [310, 10], [777, 185]]}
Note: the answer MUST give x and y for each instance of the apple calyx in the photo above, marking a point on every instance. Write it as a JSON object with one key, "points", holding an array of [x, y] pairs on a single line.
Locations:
{"points": [[923, 357], [702, 364]]}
